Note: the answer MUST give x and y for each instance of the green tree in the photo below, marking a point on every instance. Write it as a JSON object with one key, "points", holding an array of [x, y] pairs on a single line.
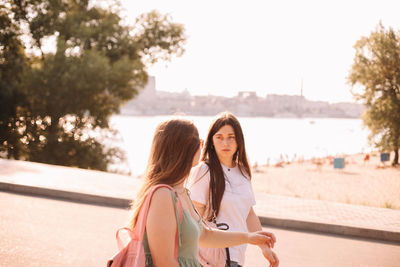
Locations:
{"points": [[376, 69], [68, 95], [12, 62]]}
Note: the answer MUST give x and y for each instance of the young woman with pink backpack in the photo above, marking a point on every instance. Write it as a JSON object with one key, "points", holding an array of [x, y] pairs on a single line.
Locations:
{"points": [[172, 229]]}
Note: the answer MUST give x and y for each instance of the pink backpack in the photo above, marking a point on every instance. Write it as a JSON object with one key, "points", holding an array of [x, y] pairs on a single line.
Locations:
{"points": [[132, 255]]}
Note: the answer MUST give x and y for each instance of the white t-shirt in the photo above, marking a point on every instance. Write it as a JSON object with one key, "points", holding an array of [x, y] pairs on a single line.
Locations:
{"points": [[236, 202]]}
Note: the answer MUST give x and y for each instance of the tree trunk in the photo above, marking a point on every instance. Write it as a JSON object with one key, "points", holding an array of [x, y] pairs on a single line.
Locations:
{"points": [[396, 157]]}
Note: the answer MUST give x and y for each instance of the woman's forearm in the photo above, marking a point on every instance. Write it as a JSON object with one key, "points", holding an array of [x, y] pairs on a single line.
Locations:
{"points": [[214, 238], [253, 222]]}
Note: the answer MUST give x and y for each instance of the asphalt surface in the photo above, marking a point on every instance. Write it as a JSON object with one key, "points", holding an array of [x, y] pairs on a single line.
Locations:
{"points": [[44, 232], [88, 186], [38, 231]]}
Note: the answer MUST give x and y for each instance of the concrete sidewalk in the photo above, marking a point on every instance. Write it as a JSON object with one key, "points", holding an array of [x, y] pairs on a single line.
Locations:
{"points": [[103, 188]]}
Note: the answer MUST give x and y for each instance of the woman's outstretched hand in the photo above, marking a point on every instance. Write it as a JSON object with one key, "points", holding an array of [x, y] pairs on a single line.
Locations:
{"points": [[262, 238], [270, 256]]}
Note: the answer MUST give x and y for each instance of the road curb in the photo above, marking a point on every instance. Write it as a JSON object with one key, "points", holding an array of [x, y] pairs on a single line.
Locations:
{"points": [[345, 230], [284, 223], [65, 195]]}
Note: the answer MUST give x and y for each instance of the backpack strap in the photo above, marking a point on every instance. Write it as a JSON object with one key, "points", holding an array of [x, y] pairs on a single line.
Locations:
{"points": [[179, 219]]}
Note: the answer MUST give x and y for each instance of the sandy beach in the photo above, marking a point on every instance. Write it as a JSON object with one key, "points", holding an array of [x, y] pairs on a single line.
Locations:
{"points": [[361, 183]]}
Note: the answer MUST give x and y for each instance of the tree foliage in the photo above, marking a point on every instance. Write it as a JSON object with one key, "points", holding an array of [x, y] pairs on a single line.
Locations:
{"points": [[12, 63], [376, 69], [55, 106]]}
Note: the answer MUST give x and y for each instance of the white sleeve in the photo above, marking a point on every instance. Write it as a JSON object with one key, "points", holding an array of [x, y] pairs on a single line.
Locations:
{"points": [[198, 184]]}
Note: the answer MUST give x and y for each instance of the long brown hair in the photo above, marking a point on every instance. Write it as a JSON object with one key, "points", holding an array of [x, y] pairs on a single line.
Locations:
{"points": [[174, 146], [209, 156]]}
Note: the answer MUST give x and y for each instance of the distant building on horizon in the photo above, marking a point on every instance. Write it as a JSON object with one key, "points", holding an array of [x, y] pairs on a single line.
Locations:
{"points": [[151, 102]]}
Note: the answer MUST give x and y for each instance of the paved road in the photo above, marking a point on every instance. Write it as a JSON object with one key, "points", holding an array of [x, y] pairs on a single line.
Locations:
{"points": [[299, 248], [44, 232]]}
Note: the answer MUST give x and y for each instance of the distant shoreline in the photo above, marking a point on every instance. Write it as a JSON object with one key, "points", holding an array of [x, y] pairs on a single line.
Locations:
{"points": [[255, 116], [245, 104]]}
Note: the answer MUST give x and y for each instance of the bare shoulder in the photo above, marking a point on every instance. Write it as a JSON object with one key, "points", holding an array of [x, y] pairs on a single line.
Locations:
{"points": [[161, 195], [161, 204]]}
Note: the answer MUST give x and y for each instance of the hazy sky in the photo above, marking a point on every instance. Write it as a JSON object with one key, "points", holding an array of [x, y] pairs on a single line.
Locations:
{"points": [[267, 46]]}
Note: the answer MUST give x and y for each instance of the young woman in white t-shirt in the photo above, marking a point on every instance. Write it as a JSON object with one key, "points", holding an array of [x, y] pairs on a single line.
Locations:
{"points": [[224, 163]]}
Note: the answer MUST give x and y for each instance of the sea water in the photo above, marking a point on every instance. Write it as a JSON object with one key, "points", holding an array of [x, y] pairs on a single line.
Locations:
{"points": [[267, 140]]}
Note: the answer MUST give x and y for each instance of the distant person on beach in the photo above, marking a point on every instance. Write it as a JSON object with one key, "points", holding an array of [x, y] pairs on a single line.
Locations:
{"points": [[224, 173], [366, 158], [175, 150]]}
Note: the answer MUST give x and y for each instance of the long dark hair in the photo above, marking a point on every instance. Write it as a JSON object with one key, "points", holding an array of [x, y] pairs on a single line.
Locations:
{"points": [[174, 146], [209, 156]]}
